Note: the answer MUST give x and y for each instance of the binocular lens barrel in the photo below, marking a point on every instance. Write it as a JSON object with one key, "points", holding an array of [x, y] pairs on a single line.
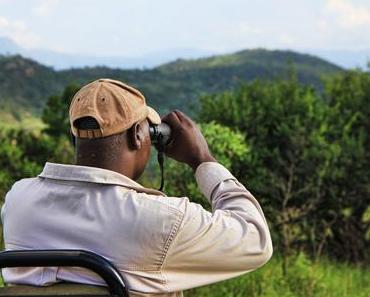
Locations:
{"points": [[160, 134]]}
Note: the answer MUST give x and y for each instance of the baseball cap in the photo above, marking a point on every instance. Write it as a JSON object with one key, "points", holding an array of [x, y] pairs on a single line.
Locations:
{"points": [[114, 105]]}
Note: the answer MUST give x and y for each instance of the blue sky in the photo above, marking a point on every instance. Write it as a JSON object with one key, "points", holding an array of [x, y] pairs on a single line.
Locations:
{"points": [[136, 27]]}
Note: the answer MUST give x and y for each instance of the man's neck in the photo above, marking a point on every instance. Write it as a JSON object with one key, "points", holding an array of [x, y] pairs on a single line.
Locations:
{"points": [[119, 167]]}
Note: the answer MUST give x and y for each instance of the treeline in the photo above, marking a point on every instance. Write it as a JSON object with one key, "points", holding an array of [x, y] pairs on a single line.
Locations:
{"points": [[304, 154]]}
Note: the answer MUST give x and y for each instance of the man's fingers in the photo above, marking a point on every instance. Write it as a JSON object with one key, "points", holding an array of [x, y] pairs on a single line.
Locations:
{"points": [[176, 119], [179, 114], [183, 117], [173, 119]]}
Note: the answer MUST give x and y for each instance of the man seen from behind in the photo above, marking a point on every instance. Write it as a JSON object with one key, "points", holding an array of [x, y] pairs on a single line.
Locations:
{"points": [[161, 245]]}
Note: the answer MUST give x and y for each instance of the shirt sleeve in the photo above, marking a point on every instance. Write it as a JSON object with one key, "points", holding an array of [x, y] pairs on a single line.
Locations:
{"points": [[212, 246]]}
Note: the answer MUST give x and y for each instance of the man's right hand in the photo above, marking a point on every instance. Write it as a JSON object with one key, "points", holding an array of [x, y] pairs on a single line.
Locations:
{"points": [[188, 144]]}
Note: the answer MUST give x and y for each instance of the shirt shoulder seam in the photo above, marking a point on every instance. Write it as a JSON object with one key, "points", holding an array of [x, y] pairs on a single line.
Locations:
{"points": [[171, 237], [168, 243]]}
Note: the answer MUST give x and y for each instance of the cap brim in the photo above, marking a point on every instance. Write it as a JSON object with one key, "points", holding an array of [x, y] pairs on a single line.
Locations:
{"points": [[153, 116]]}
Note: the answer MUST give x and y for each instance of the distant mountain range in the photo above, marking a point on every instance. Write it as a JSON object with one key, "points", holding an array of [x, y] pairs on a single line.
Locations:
{"points": [[25, 84], [344, 58], [65, 61]]}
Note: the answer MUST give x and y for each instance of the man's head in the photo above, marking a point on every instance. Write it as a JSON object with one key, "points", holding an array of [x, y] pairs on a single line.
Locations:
{"points": [[110, 121]]}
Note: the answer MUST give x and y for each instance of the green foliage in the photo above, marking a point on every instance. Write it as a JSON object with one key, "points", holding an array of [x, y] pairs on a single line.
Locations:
{"points": [[348, 186], [309, 159], [55, 113], [15, 161], [283, 123]]}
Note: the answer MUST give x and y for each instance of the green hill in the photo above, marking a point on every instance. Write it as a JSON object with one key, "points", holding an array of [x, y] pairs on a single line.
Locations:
{"points": [[26, 84]]}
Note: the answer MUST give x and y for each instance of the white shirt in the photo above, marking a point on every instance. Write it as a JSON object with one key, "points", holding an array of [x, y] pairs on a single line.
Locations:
{"points": [[159, 244]]}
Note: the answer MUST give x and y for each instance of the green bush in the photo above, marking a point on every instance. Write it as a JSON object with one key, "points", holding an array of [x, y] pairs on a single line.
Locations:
{"points": [[309, 159]]}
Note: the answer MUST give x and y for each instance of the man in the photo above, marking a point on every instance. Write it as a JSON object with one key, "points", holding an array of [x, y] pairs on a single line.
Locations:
{"points": [[160, 244]]}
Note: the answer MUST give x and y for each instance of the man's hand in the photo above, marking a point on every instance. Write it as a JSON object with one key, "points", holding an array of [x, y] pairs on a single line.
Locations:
{"points": [[188, 145]]}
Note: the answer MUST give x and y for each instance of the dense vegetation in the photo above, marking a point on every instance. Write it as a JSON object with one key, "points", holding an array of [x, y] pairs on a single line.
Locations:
{"points": [[301, 151], [303, 154]]}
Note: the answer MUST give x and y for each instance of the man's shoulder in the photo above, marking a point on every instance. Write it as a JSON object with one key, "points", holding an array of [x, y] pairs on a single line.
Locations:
{"points": [[177, 204], [118, 196], [23, 183]]}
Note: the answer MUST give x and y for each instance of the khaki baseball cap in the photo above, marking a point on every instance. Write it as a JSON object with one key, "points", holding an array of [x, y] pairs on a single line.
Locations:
{"points": [[113, 104]]}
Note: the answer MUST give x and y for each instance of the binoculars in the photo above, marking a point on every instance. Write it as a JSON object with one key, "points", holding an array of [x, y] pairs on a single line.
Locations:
{"points": [[160, 135]]}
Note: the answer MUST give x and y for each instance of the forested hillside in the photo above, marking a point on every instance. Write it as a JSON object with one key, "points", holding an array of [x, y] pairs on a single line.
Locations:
{"points": [[25, 85]]}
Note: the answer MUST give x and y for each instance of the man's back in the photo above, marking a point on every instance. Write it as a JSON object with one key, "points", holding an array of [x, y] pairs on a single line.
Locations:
{"points": [[155, 241], [92, 211]]}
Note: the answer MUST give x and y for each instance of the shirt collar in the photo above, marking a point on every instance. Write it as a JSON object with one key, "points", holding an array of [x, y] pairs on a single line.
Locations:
{"points": [[92, 175]]}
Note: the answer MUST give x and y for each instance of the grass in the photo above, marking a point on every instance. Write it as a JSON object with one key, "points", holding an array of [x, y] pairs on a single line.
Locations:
{"points": [[304, 279]]}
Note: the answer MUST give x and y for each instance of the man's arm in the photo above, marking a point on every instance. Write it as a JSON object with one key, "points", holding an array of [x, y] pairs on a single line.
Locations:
{"points": [[231, 240]]}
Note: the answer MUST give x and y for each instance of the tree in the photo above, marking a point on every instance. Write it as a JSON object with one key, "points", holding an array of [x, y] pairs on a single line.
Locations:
{"points": [[55, 113], [309, 159], [348, 186], [284, 124]]}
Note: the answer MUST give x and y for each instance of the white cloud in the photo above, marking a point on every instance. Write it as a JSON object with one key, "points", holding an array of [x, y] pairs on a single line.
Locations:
{"points": [[248, 30], [287, 39], [323, 25], [348, 14], [45, 7], [18, 31]]}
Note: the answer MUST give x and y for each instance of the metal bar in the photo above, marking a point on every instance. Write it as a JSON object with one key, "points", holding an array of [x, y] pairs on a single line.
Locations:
{"points": [[67, 258]]}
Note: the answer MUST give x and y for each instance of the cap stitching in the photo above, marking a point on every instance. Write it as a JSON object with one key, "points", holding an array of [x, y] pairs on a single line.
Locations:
{"points": [[124, 86]]}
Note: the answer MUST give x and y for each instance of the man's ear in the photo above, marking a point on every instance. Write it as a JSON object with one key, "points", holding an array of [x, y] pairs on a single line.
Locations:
{"points": [[136, 136]]}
